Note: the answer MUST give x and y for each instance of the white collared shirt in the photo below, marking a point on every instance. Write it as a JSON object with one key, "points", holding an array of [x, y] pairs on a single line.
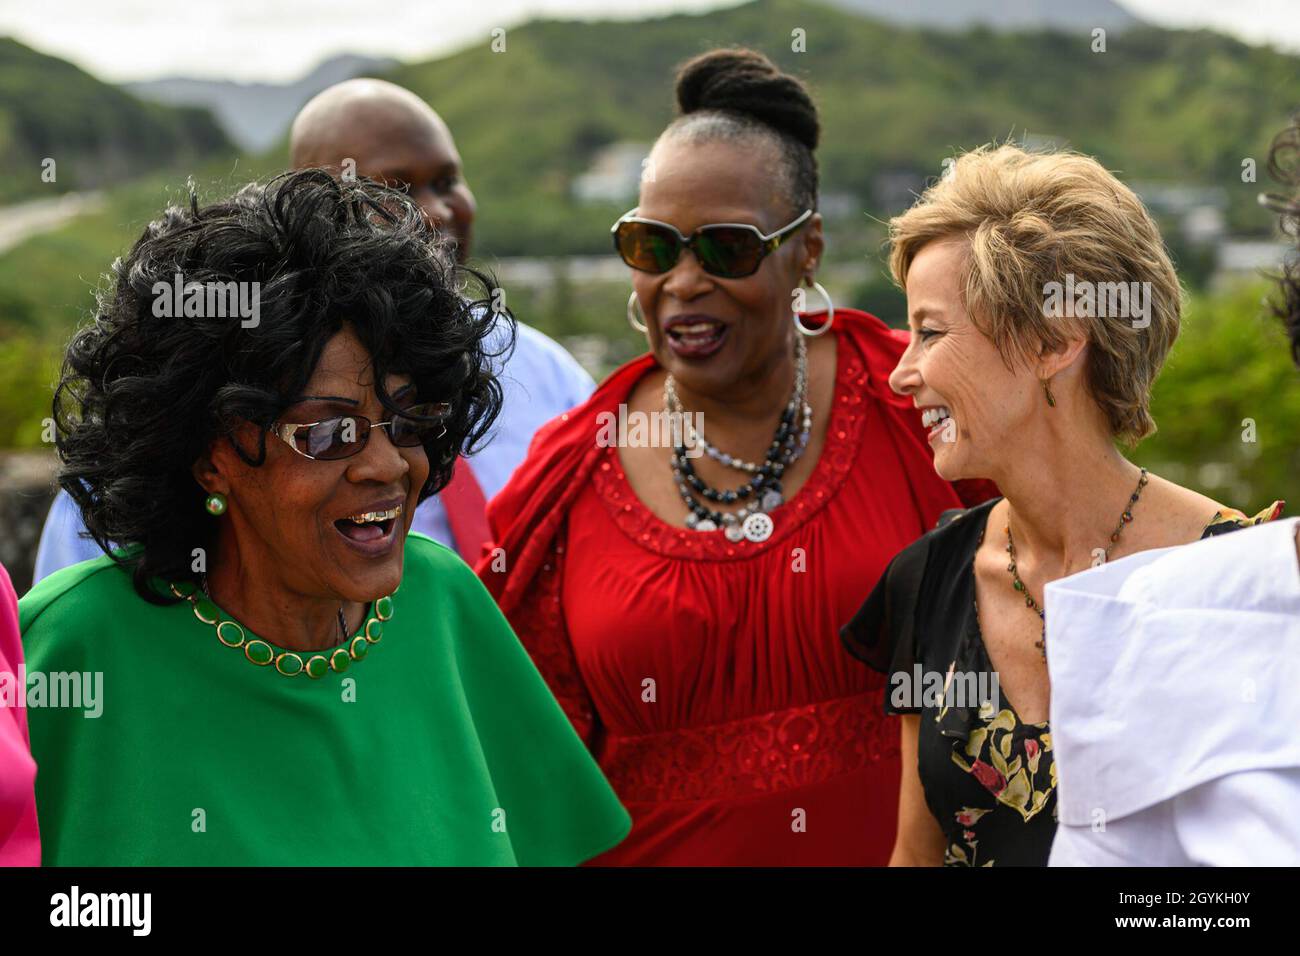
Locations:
{"points": [[1175, 708]]}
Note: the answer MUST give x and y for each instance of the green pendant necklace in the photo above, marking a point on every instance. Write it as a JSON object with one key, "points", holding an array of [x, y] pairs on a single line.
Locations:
{"points": [[288, 663]]}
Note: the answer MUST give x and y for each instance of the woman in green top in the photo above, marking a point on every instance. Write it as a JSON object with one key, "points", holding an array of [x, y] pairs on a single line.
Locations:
{"points": [[268, 669]]}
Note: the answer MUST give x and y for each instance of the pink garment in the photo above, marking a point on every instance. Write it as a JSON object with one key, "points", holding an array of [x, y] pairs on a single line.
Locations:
{"points": [[20, 841]]}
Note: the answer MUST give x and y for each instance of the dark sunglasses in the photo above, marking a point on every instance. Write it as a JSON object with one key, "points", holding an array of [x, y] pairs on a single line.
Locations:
{"points": [[346, 435], [729, 250]]}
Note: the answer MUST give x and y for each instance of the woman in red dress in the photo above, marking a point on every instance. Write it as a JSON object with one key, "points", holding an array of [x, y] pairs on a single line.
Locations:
{"points": [[685, 606]]}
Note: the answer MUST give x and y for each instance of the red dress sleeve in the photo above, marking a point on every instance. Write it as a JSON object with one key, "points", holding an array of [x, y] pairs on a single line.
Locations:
{"points": [[523, 565], [538, 621]]}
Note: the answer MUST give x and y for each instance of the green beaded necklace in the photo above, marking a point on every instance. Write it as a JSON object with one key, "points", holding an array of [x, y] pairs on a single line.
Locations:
{"points": [[288, 663]]}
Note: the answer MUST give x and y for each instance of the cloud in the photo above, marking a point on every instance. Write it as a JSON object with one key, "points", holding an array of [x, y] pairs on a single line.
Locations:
{"points": [[274, 42]]}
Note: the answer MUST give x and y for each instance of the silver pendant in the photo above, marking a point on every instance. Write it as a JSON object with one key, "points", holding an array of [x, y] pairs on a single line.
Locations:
{"points": [[758, 527], [734, 532]]}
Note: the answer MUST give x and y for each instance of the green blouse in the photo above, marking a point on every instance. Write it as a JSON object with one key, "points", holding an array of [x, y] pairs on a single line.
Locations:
{"points": [[442, 747]]}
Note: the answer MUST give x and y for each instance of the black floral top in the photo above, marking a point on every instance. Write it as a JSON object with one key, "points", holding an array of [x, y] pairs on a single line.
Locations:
{"points": [[989, 778]]}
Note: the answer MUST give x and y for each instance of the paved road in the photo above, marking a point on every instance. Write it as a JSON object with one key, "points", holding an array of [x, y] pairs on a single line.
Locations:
{"points": [[24, 220]]}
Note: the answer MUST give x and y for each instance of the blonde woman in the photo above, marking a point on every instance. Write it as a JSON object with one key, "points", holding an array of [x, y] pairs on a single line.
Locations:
{"points": [[1042, 305]]}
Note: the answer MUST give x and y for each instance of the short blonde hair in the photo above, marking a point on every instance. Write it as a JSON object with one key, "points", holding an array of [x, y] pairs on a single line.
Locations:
{"points": [[1030, 220]]}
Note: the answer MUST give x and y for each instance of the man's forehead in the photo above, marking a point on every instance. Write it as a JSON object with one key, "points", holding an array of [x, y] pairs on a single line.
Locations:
{"points": [[382, 138], [390, 158]]}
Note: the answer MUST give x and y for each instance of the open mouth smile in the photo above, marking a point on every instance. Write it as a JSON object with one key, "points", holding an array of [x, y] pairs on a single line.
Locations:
{"points": [[371, 532], [935, 418], [695, 336]]}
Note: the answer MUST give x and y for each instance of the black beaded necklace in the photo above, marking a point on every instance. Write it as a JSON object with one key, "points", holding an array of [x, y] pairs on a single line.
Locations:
{"points": [[762, 492]]}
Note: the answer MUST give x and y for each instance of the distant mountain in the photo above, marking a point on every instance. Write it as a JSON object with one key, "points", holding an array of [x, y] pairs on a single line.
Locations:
{"points": [[96, 133], [257, 115], [1158, 105], [1003, 16]]}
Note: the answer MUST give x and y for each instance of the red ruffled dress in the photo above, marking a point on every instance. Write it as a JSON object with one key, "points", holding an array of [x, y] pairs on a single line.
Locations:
{"points": [[707, 676]]}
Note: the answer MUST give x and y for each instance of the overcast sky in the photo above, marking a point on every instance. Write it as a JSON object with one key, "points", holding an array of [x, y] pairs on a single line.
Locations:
{"points": [[278, 40]]}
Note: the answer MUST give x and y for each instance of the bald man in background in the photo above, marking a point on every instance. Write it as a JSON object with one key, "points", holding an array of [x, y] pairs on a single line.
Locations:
{"points": [[393, 136]]}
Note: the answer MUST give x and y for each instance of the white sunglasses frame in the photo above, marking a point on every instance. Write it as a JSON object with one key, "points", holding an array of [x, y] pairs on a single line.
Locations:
{"points": [[770, 242]]}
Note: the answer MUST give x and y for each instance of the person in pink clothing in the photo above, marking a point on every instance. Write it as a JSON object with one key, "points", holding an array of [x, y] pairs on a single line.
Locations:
{"points": [[20, 842]]}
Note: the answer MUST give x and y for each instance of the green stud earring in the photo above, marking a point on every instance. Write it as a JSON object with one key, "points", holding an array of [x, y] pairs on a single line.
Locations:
{"points": [[215, 503]]}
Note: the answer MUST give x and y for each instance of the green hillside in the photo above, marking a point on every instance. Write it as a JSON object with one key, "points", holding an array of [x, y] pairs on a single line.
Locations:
{"points": [[1163, 106], [96, 133], [1157, 105], [1172, 107]]}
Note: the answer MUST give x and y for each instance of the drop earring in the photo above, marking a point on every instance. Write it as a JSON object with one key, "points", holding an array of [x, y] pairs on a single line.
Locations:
{"points": [[1047, 393], [215, 504]]}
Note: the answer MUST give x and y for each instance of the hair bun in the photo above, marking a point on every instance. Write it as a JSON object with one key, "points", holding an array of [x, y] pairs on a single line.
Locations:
{"points": [[747, 83]]}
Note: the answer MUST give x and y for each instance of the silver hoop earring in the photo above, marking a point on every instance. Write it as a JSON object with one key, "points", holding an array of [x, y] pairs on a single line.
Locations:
{"points": [[632, 318], [830, 314]]}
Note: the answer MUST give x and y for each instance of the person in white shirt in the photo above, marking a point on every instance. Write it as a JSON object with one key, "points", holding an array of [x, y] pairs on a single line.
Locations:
{"points": [[1174, 683], [1174, 705]]}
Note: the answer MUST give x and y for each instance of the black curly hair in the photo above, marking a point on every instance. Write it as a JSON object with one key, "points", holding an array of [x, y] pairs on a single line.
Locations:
{"points": [[141, 397], [729, 94], [1284, 166]]}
